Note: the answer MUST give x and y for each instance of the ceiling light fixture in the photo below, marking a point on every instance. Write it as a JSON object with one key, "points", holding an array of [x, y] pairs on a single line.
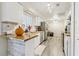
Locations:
{"points": [[56, 17], [49, 9], [48, 5]]}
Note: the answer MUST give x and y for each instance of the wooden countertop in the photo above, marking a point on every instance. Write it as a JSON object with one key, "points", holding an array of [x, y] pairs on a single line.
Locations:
{"points": [[67, 34], [25, 37]]}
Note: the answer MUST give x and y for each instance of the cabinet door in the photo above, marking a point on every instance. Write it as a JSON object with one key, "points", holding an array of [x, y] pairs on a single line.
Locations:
{"points": [[36, 41], [41, 36], [69, 46], [16, 47], [77, 29], [38, 21], [10, 46], [3, 46], [11, 11], [29, 47], [65, 45]]}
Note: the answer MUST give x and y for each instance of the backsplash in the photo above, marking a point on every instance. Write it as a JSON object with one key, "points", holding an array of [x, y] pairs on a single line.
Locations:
{"points": [[7, 26]]}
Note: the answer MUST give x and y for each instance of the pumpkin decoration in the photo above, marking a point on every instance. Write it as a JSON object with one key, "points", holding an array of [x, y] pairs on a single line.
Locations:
{"points": [[19, 31]]}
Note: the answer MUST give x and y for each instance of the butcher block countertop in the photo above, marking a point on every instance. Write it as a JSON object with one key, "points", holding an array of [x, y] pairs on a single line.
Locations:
{"points": [[67, 34], [25, 37]]}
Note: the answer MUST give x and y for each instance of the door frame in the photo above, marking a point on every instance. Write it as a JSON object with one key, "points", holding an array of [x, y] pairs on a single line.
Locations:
{"points": [[73, 29]]}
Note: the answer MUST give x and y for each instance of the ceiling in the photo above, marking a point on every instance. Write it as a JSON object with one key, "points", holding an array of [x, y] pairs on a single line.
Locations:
{"points": [[48, 9]]}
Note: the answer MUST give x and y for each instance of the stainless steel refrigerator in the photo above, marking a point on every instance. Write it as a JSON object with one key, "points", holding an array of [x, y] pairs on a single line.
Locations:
{"points": [[44, 27]]}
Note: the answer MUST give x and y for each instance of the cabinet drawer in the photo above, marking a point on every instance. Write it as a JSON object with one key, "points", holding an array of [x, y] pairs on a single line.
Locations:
{"points": [[19, 47], [15, 52], [20, 42]]}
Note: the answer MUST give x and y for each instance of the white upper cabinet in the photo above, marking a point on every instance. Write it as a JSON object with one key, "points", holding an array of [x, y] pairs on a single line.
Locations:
{"points": [[38, 21], [27, 19], [11, 11]]}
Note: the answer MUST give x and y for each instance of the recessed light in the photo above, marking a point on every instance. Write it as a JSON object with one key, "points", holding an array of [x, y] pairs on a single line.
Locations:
{"points": [[49, 9], [48, 5], [56, 17]]}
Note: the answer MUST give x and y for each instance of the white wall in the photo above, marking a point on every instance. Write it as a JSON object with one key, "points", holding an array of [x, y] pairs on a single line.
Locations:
{"points": [[0, 18], [56, 26]]}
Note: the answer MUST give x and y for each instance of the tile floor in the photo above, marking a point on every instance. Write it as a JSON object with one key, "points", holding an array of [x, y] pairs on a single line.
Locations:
{"points": [[54, 47]]}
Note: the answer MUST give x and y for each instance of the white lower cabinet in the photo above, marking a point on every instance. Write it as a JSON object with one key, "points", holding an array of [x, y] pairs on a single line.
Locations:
{"points": [[3, 46], [18, 47], [67, 45], [31, 45], [36, 41], [41, 36]]}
